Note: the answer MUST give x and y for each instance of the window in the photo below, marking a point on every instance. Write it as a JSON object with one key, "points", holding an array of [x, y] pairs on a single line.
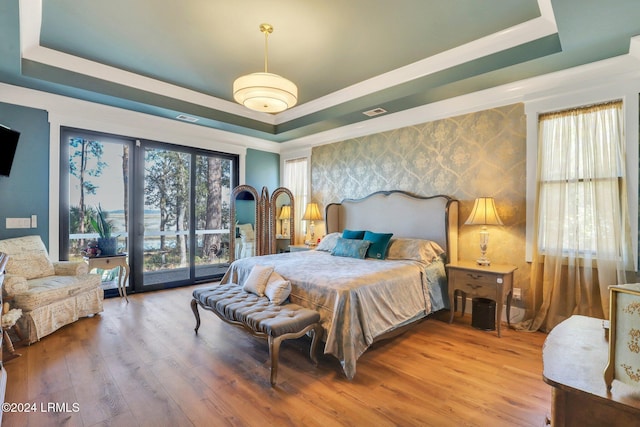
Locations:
{"points": [[581, 182], [296, 179]]}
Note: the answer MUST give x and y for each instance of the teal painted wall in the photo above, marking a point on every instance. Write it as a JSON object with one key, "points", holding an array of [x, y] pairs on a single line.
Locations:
{"points": [[26, 191], [262, 169]]}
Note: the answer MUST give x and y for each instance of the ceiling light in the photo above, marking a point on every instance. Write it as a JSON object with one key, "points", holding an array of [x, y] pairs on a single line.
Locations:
{"points": [[266, 92]]}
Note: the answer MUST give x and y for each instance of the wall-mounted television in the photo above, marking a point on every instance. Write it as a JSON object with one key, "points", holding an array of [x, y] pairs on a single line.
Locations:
{"points": [[8, 145]]}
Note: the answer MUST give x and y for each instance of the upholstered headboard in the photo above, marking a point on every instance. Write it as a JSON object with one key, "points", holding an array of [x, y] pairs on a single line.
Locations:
{"points": [[401, 213]]}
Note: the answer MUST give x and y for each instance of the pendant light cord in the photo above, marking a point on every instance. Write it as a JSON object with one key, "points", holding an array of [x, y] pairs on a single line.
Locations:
{"points": [[266, 29], [266, 51]]}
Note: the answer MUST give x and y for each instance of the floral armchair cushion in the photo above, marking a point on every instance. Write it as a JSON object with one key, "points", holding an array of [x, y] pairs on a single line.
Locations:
{"points": [[28, 257]]}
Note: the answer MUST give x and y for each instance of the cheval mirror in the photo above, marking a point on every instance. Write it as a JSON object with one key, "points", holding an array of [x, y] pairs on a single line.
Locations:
{"points": [[246, 231], [281, 220]]}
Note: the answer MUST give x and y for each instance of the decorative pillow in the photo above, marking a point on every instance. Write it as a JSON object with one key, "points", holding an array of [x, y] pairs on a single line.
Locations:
{"points": [[328, 242], [352, 248], [379, 244], [353, 234], [28, 257], [278, 289], [414, 249], [257, 280]]}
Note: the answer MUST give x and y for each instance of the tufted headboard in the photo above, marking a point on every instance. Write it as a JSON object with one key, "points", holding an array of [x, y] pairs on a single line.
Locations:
{"points": [[401, 213]]}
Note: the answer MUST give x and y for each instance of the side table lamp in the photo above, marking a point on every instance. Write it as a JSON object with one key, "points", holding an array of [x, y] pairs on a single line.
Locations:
{"points": [[484, 213], [312, 213], [285, 215]]}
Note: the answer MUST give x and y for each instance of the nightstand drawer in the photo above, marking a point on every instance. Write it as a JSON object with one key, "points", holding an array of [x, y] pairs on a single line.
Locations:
{"points": [[473, 278], [478, 290]]}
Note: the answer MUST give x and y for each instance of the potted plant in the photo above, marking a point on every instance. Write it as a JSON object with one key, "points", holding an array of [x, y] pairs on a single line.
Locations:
{"points": [[107, 244]]}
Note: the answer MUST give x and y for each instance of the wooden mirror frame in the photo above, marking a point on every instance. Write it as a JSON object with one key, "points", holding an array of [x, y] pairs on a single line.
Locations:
{"points": [[273, 217], [257, 228], [264, 243]]}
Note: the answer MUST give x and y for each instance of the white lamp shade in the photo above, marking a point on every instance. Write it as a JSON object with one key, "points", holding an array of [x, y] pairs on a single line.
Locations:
{"points": [[285, 212], [266, 92], [484, 212], [312, 213]]}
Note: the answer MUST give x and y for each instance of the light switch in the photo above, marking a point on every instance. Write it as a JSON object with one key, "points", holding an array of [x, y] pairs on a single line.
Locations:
{"points": [[18, 223], [34, 221]]}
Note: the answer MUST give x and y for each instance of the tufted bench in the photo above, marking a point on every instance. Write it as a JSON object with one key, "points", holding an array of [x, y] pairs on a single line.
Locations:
{"points": [[260, 317]]}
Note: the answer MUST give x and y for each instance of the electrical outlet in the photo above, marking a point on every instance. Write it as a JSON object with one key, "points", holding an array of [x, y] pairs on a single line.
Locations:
{"points": [[517, 294]]}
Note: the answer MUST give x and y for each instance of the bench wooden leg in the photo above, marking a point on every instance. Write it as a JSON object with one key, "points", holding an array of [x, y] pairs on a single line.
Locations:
{"points": [[313, 351], [194, 308], [274, 347], [274, 352]]}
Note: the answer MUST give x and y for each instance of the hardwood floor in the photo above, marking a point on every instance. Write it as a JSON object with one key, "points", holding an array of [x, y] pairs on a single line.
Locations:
{"points": [[141, 364]]}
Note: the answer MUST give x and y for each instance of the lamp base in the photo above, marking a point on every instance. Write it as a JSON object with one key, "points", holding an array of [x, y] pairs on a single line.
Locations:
{"points": [[483, 261]]}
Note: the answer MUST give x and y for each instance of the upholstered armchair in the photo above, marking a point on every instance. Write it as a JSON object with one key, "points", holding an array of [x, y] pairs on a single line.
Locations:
{"points": [[50, 294]]}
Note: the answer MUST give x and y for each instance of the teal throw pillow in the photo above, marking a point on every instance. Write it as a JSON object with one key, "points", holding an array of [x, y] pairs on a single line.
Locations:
{"points": [[352, 248], [353, 234], [379, 244]]}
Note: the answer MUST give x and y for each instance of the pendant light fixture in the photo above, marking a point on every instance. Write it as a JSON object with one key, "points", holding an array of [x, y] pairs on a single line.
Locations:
{"points": [[265, 92]]}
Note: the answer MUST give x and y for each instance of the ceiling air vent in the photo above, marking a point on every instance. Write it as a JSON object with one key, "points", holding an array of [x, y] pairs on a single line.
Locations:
{"points": [[375, 112], [187, 118]]}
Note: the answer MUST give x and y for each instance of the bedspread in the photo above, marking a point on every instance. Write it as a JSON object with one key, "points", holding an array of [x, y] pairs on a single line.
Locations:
{"points": [[358, 300]]}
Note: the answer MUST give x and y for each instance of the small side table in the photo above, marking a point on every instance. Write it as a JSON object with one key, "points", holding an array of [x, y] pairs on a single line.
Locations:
{"points": [[300, 248], [492, 281], [109, 262]]}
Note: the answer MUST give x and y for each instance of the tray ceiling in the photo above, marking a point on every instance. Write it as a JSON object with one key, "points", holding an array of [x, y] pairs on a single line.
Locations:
{"points": [[171, 58]]}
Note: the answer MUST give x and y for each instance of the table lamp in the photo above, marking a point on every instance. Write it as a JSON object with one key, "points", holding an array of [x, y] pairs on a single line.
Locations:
{"points": [[285, 214], [484, 213], [312, 213]]}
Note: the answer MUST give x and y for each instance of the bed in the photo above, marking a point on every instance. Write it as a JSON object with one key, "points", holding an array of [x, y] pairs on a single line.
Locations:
{"points": [[364, 300]]}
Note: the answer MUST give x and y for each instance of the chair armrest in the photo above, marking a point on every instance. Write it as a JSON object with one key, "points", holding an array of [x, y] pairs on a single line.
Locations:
{"points": [[70, 268], [13, 284]]}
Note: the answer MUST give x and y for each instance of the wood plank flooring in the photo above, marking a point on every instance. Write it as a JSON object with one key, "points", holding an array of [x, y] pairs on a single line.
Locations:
{"points": [[140, 364]]}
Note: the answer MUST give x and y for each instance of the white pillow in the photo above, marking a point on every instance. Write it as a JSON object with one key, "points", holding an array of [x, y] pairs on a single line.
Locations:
{"points": [[328, 242], [278, 289], [257, 280]]}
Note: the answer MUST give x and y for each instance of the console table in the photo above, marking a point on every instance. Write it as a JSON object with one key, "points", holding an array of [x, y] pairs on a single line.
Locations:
{"points": [[109, 262], [574, 356]]}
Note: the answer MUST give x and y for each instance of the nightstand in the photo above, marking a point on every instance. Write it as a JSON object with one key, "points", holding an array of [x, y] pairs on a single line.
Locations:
{"points": [[492, 281], [300, 248]]}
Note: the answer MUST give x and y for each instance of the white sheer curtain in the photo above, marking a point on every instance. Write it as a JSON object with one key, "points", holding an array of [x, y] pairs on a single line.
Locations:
{"points": [[582, 224], [296, 179]]}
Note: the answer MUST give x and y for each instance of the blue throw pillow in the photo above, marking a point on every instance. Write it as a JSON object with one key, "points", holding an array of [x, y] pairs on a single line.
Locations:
{"points": [[352, 248], [379, 244], [353, 234]]}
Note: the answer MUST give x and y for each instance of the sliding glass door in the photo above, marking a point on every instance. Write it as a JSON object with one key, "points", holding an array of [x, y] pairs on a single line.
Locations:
{"points": [[94, 174], [211, 210], [169, 207]]}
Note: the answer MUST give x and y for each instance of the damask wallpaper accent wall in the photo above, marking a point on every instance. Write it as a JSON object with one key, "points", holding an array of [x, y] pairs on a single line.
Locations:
{"points": [[469, 156]]}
